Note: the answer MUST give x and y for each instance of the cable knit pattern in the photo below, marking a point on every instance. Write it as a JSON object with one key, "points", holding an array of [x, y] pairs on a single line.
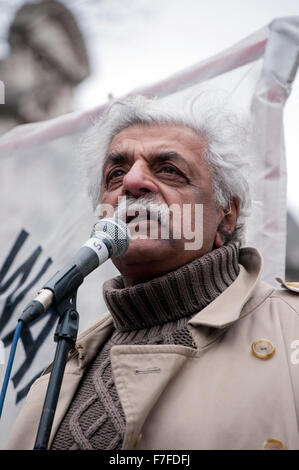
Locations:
{"points": [[155, 312]]}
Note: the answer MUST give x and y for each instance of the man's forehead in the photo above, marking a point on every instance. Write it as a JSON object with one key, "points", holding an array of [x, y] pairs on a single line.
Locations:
{"points": [[150, 139], [157, 133]]}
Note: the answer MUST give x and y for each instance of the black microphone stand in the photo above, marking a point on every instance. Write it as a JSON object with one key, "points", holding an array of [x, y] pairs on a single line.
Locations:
{"points": [[65, 336]]}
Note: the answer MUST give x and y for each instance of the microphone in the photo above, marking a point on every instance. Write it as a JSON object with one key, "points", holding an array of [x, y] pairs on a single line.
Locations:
{"points": [[109, 238]]}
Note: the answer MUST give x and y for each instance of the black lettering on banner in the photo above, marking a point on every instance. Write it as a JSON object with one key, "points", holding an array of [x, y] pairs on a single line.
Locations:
{"points": [[31, 346], [22, 273]]}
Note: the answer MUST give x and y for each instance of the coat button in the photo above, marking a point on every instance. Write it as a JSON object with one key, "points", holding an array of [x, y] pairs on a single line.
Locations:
{"points": [[263, 349], [273, 444], [138, 439], [82, 354]]}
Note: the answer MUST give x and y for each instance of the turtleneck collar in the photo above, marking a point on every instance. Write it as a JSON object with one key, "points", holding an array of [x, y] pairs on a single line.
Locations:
{"points": [[175, 295]]}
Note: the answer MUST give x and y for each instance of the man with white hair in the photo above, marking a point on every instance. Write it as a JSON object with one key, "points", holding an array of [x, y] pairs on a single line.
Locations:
{"points": [[195, 351]]}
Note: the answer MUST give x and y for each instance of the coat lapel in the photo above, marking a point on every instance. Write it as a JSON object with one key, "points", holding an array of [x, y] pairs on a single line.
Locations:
{"points": [[227, 307], [141, 373]]}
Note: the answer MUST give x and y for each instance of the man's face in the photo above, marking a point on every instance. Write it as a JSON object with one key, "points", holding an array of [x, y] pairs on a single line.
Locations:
{"points": [[166, 163]]}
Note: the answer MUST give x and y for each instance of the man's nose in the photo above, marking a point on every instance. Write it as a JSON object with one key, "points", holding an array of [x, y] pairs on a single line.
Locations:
{"points": [[138, 181]]}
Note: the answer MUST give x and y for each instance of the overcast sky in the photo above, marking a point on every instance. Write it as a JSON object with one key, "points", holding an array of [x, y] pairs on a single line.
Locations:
{"points": [[132, 43], [155, 38]]}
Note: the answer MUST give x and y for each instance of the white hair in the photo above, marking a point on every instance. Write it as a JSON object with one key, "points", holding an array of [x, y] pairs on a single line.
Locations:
{"points": [[224, 130]]}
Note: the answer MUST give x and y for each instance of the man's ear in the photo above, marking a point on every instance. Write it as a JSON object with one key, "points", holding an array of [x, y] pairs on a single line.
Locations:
{"points": [[228, 222]]}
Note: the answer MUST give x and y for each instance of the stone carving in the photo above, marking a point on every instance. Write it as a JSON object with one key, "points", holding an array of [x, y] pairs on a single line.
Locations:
{"points": [[47, 59]]}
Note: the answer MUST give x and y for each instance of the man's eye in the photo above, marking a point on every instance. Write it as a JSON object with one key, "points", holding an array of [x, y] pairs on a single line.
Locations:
{"points": [[169, 169], [172, 173], [115, 174]]}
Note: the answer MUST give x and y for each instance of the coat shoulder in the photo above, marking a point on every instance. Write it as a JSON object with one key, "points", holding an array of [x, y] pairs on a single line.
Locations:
{"points": [[288, 292]]}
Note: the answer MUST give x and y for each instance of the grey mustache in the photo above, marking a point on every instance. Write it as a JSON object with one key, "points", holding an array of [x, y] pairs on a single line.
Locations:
{"points": [[144, 208]]}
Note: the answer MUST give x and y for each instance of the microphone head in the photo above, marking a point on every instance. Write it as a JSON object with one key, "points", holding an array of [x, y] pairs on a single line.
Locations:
{"points": [[116, 232]]}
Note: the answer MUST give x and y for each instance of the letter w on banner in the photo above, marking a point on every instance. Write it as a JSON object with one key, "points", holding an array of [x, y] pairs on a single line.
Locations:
{"points": [[46, 214]]}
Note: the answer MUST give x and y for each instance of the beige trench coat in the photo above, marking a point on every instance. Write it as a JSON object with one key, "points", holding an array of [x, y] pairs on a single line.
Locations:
{"points": [[226, 394]]}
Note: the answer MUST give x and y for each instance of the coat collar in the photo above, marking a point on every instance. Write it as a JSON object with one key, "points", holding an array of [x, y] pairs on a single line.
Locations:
{"points": [[226, 308]]}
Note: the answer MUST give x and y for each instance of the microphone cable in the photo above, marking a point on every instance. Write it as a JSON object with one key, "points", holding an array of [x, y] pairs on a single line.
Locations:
{"points": [[16, 337]]}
